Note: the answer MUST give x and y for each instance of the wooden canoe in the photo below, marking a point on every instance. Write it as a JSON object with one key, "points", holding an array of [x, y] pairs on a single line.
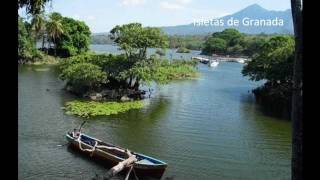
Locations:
{"points": [[144, 166]]}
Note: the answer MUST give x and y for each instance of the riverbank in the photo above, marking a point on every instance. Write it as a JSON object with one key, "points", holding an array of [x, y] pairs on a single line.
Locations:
{"points": [[45, 60]]}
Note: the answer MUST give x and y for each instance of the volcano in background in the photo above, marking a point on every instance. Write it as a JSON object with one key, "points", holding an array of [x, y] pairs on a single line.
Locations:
{"points": [[254, 11]]}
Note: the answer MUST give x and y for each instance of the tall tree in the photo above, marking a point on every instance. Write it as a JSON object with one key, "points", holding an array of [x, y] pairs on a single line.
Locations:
{"points": [[33, 6], [38, 23], [297, 104], [54, 28]]}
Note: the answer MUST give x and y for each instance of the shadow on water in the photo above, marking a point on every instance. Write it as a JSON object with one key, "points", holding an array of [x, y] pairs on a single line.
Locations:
{"points": [[266, 109], [266, 137]]}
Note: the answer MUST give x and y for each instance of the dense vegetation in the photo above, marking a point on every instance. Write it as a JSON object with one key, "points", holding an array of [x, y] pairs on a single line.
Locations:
{"points": [[232, 42], [75, 38], [90, 72], [273, 63], [182, 50], [193, 42], [88, 109], [228, 42], [63, 37], [26, 44]]}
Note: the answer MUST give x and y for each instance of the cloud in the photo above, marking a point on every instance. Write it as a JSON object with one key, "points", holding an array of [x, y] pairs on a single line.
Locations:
{"points": [[132, 2], [175, 4]]}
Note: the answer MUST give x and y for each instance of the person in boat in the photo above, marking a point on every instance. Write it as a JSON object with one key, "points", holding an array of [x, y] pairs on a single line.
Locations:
{"points": [[75, 133]]}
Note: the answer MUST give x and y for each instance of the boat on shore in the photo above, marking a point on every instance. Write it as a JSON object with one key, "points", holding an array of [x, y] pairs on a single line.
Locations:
{"points": [[113, 155]]}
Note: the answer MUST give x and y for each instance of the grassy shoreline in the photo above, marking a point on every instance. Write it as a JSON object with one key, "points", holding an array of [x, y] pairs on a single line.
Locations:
{"points": [[45, 60]]}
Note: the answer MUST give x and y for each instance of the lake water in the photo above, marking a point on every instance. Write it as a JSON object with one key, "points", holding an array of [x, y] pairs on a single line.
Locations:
{"points": [[208, 128]]}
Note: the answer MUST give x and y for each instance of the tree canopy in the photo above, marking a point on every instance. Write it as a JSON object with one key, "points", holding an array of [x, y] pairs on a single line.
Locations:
{"points": [[75, 36], [273, 62], [135, 39], [33, 6]]}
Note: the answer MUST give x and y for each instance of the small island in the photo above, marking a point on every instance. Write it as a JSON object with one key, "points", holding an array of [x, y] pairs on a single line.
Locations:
{"points": [[113, 78], [183, 50]]}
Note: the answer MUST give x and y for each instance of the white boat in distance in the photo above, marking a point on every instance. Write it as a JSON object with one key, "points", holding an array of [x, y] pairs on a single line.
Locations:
{"points": [[213, 63]]}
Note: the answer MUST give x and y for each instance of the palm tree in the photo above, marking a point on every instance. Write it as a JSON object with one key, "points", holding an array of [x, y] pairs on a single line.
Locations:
{"points": [[38, 24], [54, 30], [33, 6], [297, 105]]}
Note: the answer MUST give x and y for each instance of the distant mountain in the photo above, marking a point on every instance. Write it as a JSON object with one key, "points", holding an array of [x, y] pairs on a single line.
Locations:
{"points": [[252, 12]]}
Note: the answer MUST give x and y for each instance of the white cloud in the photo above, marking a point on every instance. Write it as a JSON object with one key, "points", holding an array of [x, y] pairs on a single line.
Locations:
{"points": [[132, 2]]}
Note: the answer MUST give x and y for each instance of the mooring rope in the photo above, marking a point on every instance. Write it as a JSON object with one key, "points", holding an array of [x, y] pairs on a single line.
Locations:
{"points": [[135, 175], [89, 150]]}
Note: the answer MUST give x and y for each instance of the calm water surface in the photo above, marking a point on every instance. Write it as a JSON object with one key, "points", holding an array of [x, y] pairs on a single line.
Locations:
{"points": [[208, 128]]}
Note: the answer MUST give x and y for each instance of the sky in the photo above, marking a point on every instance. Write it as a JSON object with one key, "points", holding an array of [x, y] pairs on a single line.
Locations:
{"points": [[102, 15]]}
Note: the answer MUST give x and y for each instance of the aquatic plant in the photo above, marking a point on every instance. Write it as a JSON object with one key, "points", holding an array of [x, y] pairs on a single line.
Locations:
{"points": [[92, 108]]}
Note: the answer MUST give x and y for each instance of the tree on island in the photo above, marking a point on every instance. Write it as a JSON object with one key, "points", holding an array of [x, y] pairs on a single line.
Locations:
{"points": [[126, 72], [134, 39]]}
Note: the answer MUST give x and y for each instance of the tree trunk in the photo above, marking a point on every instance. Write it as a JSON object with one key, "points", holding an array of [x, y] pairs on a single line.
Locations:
{"points": [[55, 48], [297, 105], [43, 36], [136, 84], [130, 81]]}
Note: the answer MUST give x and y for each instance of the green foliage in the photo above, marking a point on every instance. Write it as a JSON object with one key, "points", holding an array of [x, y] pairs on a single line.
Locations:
{"points": [[234, 43], [161, 52], [33, 6], [54, 28], [38, 24], [231, 36], [183, 50], [252, 44], [69, 36], [91, 108], [168, 71], [135, 39], [129, 70], [83, 76], [228, 41], [214, 45], [194, 42], [274, 61], [119, 70], [26, 44]]}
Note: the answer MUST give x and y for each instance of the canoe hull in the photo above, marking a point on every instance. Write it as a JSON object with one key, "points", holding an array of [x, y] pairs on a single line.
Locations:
{"points": [[154, 171]]}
